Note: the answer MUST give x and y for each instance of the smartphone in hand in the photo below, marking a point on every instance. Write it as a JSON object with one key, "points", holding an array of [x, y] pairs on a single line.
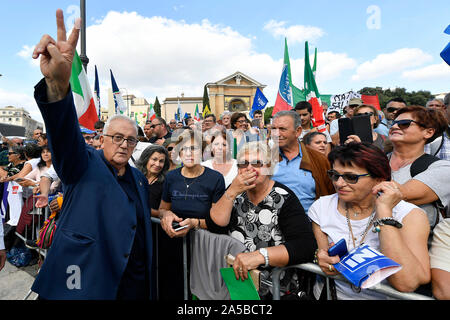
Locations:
{"points": [[339, 249], [176, 226]]}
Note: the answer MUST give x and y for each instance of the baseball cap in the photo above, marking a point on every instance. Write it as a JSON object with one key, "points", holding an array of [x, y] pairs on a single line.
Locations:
{"points": [[86, 130], [355, 101]]}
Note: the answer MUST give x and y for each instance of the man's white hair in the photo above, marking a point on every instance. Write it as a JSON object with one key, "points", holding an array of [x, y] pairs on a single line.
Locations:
{"points": [[120, 117]]}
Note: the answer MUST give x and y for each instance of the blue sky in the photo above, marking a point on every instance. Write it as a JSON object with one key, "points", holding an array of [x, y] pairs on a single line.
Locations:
{"points": [[164, 48]]}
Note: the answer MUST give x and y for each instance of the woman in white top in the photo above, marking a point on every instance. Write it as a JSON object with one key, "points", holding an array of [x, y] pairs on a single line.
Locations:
{"points": [[222, 160], [32, 179], [359, 172]]}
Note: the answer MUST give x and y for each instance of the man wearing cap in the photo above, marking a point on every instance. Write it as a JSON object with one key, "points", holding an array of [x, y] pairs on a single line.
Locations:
{"points": [[334, 125], [88, 135], [102, 248]]}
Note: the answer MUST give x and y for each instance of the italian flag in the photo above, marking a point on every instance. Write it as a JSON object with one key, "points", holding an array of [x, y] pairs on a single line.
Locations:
{"points": [[197, 114], [82, 95], [151, 113], [312, 94]]}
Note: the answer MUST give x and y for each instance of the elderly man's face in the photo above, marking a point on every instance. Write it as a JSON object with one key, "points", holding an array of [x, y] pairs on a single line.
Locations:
{"points": [[284, 131], [118, 154]]}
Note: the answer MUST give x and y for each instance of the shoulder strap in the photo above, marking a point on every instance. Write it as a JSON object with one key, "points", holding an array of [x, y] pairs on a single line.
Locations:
{"points": [[422, 163], [440, 146]]}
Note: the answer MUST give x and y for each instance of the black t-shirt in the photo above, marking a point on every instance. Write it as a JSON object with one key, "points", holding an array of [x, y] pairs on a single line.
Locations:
{"points": [[193, 197]]}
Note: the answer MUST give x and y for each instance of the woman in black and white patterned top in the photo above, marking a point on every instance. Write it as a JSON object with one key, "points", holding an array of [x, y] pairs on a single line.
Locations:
{"points": [[263, 214]]}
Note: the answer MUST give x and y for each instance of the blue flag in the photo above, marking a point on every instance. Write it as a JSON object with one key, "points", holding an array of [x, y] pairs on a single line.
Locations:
{"points": [[119, 104], [97, 94], [445, 54], [259, 102]]}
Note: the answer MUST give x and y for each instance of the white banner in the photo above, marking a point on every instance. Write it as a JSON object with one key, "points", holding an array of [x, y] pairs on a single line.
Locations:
{"points": [[339, 101]]}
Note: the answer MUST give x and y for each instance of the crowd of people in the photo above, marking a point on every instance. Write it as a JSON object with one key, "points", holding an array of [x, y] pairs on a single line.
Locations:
{"points": [[279, 186]]}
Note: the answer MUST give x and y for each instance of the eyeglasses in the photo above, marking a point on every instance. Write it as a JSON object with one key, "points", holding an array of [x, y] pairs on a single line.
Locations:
{"points": [[255, 164], [353, 106], [190, 148], [155, 125], [118, 139], [392, 109], [10, 153], [169, 148], [404, 123], [241, 121], [348, 177], [364, 114], [88, 138]]}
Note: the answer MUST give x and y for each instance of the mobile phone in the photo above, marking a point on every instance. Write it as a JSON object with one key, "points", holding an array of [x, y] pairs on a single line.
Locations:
{"points": [[176, 226], [345, 129], [339, 249], [363, 128]]}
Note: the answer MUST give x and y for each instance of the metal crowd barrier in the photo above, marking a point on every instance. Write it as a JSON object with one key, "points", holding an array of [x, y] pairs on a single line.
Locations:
{"points": [[276, 272], [311, 267]]}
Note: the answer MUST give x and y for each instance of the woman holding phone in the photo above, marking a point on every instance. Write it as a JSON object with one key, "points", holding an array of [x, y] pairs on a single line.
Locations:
{"points": [[188, 194]]}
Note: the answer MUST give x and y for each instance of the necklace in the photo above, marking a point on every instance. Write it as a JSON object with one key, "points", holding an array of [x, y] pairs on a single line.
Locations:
{"points": [[372, 217], [190, 184], [353, 238]]}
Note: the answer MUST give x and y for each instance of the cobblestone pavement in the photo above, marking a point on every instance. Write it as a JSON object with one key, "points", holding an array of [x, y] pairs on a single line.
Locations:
{"points": [[15, 282]]}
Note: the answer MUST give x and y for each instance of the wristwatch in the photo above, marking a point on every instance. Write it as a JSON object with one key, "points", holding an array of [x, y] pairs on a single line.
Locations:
{"points": [[265, 254]]}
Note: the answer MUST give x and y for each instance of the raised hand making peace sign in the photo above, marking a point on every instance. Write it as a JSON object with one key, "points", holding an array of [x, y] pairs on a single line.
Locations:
{"points": [[56, 58]]}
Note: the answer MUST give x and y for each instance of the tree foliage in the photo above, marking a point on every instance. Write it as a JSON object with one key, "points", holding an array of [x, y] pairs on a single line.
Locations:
{"points": [[157, 107], [412, 98]]}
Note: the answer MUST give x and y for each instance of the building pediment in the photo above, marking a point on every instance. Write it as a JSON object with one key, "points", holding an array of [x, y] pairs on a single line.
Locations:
{"points": [[238, 79]]}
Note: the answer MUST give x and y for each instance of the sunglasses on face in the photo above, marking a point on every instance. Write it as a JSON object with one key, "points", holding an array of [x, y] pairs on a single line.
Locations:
{"points": [[364, 114], [405, 123], [255, 164], [153, 126], [169, 148], [348, 177], [391, 109], [11, 153]]}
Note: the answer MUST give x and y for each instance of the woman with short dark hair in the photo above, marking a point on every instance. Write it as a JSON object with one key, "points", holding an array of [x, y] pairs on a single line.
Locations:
{"points": [[368, 208]]}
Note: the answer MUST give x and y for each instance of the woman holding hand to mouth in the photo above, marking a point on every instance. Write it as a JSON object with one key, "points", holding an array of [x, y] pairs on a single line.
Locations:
{"points": [[263, 214]]}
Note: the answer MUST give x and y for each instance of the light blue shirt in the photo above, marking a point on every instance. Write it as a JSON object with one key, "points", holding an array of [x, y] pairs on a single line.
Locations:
{"points": [[300, 181]]}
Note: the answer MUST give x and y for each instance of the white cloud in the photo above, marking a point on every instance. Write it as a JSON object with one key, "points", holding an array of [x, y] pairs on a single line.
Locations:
{"points": [[294, 33], [164, 57], [439, 71], [394, 62], [26, 53]]}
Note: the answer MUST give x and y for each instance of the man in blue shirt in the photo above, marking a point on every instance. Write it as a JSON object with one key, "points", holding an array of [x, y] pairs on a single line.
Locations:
{"points": [[301, 169]]}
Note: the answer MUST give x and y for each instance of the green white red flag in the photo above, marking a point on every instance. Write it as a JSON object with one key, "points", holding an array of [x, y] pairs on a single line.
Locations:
{"points": [[312, 94], [82, 95]]}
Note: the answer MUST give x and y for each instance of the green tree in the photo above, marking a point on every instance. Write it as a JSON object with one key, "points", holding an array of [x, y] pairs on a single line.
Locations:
{"points": [[268, 114], [384, 95], [157, 107]]}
